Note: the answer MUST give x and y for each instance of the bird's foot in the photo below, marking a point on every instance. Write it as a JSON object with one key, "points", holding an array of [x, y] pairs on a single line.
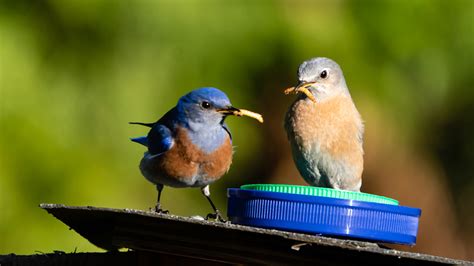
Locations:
{"points": [[216, 216], [158, 209]]}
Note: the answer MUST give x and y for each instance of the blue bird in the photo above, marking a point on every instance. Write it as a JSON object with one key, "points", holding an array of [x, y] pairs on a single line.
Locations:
{"points": [[191, 146]]}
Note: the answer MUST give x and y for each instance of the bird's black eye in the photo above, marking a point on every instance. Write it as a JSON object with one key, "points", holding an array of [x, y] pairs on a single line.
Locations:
{"points": [[206, 105], [323, 74]]}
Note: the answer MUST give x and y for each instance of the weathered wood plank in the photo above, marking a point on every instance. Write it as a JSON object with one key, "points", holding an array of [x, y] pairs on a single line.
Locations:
{"points": [[139, 258], [224, 242]]}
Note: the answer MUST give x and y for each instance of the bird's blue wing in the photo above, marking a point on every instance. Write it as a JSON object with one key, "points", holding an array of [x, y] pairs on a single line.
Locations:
{"points": [[160, 139]]}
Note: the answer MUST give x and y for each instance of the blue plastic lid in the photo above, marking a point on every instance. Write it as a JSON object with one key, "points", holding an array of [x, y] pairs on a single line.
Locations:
{"points": [[323, 215]]}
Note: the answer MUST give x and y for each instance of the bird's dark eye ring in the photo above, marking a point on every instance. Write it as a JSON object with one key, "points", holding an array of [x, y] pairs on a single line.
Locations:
{"points": [[206, 105], [323, 74]]}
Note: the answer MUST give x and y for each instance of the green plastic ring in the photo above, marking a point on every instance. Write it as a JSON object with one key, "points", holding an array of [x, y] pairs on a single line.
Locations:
{"points": [[320, 192]]}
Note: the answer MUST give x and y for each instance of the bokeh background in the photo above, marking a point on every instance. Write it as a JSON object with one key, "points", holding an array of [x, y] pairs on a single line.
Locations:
{"points": [[74, 72]]}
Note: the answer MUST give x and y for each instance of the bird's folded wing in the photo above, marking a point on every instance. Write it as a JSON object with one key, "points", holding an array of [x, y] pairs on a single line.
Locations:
{"points": [[160, 139]]}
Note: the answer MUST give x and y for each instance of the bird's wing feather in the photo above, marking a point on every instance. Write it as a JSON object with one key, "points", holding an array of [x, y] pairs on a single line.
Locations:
{"points": [[159, 139], [169, 119], [160, 136]]}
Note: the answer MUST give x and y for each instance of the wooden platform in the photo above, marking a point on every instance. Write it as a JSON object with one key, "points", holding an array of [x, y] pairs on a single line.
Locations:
{"points": [[152, 234]]}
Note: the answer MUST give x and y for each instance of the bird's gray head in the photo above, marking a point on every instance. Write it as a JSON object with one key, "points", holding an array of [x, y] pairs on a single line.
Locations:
{"points": [[322, 77]]}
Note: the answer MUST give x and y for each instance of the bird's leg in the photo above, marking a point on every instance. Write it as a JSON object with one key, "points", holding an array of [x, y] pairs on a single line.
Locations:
{"points": [[159, 188], [216, 215]]}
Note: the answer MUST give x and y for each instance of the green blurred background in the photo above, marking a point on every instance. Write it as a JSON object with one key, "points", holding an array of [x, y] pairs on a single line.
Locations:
{"points": [[73, 73]]}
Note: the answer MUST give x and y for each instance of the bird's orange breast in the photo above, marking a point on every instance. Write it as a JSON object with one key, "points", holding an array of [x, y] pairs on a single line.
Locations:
{"points": [[186, 162], [335, 125]]}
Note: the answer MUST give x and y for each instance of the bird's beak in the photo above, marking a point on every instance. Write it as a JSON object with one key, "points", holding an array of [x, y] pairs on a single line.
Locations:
{"points": [[302, 87], [241, 112]]}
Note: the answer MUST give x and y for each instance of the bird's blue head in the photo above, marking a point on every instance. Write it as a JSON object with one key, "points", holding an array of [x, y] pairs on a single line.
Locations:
{"points": [[208, 106], [202, 112]]}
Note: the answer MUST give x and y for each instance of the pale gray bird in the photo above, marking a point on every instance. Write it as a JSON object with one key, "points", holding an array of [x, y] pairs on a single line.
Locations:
{"points": [[324, 128]]}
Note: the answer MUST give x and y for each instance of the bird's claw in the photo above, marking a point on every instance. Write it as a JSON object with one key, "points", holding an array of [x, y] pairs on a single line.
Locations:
{"points": [[216, 216], [160, 210]]}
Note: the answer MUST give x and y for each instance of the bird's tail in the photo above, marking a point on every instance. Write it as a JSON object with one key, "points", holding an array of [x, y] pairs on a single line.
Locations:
{"points": [[142, 124], [142, 140]]}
